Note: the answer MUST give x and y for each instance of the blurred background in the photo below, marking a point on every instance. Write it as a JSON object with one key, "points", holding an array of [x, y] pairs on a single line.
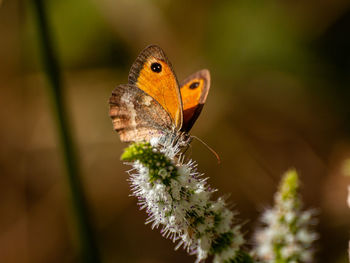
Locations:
{"points": [[279, 98]]}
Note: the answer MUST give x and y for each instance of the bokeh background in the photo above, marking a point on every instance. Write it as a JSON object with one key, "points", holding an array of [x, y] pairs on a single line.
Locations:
{"points": [[279, 98]]}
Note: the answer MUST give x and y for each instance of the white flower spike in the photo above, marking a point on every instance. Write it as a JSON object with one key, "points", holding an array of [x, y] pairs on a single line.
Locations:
{"points": [[178, 199]]}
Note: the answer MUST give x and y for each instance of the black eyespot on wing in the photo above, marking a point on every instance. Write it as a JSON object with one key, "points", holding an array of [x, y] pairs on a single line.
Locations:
{"points": [[156, 67], [194, 85]]}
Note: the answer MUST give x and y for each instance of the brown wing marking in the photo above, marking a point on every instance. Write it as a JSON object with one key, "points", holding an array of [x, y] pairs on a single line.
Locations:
{"points": [[136, 116]]}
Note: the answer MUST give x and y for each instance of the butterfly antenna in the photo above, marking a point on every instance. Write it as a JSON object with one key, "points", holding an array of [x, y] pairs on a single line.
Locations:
{"points": [[209, 148]]}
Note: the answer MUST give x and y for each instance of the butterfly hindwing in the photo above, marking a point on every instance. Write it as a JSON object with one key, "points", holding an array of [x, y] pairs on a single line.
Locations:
{"points": [[136, 116], [194, 92], [152, 72]]}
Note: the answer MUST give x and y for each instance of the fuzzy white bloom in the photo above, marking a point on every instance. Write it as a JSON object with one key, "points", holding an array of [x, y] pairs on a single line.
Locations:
{"points": [[178, 199], [285, 235]]}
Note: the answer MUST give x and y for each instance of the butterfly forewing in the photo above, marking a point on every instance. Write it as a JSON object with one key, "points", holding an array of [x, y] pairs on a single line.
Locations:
{"points": [[152, 72]]}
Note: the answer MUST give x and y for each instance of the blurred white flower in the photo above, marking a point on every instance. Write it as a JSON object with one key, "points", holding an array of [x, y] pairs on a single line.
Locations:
{"points": [[285, 235]]}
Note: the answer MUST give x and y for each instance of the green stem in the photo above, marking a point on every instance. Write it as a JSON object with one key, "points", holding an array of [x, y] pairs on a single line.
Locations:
{"points": [[87, 242]]}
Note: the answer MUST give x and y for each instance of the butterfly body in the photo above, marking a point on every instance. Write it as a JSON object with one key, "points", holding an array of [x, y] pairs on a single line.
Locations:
{"points": [[153, 104]]}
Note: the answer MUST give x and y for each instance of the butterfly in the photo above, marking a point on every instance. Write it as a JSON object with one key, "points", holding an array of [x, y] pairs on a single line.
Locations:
{"points": [[153, 103]]}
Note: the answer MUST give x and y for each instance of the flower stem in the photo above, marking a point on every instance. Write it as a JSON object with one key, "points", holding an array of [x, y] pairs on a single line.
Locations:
{"points": [[87, 242]]}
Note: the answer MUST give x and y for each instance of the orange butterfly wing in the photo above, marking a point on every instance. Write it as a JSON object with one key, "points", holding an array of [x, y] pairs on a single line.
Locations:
{"points": [[194, 92], [152, 72]]}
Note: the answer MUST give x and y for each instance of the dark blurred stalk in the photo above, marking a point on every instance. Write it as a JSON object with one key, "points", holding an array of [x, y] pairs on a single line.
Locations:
{"points": [[87, 241]]}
